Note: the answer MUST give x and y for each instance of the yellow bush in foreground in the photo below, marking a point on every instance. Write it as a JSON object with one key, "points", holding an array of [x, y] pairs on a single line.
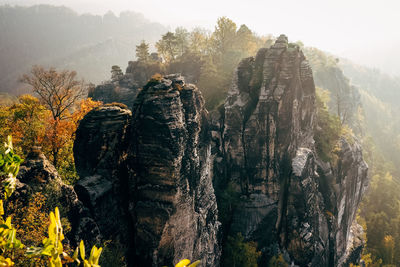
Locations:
{"points": [[52, 248]]}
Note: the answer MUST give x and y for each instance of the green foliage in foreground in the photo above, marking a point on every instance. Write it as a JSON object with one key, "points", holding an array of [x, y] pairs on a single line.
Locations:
{"points": [[277, 261], [240, 253], [52, 247]]}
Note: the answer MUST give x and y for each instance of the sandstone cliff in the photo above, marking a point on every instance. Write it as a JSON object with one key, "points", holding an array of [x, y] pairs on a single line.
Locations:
{"points": [[146, 178], [292, 203]]}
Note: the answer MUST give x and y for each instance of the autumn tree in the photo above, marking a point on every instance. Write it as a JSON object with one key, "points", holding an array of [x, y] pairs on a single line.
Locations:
{"points": [[198, 41], [62, 137], [57, 90], [61, 93], [209, 58], [142, 51], [246, 41], [224, 35], [28, 118], [182, 40]]}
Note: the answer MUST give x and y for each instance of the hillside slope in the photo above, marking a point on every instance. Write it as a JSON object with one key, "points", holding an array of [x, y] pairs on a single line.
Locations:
{"points": [[59, 37]]}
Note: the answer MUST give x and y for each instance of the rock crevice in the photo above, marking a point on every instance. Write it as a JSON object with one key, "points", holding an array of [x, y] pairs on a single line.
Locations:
{"points": [[289, 203], [156, 168]]}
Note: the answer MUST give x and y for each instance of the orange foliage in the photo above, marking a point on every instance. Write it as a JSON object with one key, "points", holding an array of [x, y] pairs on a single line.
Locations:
{"points": [[31, 123], [84, 106], [60, 133]]}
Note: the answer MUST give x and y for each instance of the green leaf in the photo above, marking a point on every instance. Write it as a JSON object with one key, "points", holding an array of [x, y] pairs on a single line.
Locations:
{"points": [[33, 251]]}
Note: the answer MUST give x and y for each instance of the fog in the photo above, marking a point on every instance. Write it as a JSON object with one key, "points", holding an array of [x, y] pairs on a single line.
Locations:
{"points": [[364, 31]]}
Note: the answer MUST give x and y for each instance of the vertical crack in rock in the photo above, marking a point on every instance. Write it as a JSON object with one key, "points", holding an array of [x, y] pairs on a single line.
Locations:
{"points": [[148, 176], [176, 208], [289, 204], [151, 173]]}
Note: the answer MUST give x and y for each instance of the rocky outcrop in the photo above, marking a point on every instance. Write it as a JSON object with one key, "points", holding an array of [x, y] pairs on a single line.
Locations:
{"points": [[292, 203], [124, 88], [100, 153], [151, 174], [173, 182], [37, 174], [351, 183], [122, 91], [148, 177]]}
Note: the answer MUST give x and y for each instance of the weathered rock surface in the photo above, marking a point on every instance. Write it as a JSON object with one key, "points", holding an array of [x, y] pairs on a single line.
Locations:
{"points": [[291, 202], [148, 177], [100, 154], [37, 174]]}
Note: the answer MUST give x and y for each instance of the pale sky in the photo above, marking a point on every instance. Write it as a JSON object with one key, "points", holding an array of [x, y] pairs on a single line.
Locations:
{"points": [[366, 31]]}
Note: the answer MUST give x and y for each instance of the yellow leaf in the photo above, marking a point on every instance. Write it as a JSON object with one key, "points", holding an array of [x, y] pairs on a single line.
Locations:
{"points": [[82, 250], [182, 263], [1, 207]]}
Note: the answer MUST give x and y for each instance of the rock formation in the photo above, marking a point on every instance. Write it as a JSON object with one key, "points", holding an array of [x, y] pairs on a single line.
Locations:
{"points": [[100, 155], [37, 174], [147, 178], [124, 88], [292, 203]]}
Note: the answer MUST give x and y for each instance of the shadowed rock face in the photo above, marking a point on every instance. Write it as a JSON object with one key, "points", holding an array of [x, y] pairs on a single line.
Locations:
{"points": [[176, 208], [290, 203], [147, 177], [37, 174], [100, 153]]}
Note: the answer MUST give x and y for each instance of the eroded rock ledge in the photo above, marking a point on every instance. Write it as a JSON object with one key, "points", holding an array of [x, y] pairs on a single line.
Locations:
{"points": [[148, 176], [292, 203]]}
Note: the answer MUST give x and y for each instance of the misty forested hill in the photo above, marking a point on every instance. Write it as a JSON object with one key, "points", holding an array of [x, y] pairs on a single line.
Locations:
{"points": [[57, 36], [380, 95]]}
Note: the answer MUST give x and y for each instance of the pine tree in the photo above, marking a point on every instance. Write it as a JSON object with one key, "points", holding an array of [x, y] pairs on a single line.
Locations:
{"points": [[142, 52]]}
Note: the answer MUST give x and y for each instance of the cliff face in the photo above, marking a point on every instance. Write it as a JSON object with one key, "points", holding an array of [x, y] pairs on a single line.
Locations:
{"points": [[100, 152], [290, 204], [171, 157], [147, 178]]}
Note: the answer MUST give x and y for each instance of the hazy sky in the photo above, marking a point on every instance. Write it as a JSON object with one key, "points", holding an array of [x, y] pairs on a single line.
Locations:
{"points": [[363, 30]]}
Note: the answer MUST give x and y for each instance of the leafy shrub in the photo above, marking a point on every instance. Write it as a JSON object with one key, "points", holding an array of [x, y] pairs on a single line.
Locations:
{"points": [[277, 261], [113, 254], [240, 253], [52, 249], [29, 223], [327, 130]]}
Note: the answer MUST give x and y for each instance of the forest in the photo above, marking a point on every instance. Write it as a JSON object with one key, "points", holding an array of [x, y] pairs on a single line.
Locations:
{"points": [[42, 108]]}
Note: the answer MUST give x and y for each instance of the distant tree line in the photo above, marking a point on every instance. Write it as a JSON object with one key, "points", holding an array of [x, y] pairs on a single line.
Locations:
{"points": [[205, 58]]}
